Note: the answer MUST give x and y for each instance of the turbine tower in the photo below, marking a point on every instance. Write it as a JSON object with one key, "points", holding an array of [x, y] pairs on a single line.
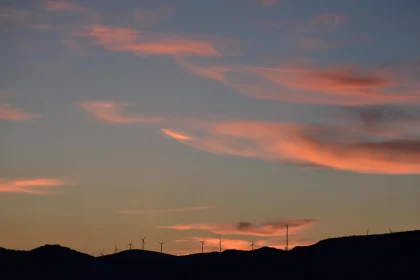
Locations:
{"points": [[202, 245], [287, 237], [116, 249], [252, 245], [142, 242], [390, 231], [220, 244], [102, 253], [161, 245], [130, 245]]}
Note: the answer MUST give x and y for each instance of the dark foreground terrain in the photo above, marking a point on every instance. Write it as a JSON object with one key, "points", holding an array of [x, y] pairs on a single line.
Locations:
{"points": [[385, 256]]}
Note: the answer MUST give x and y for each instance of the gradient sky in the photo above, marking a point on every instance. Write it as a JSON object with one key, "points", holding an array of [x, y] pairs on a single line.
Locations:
{"points": [[184, 120]]}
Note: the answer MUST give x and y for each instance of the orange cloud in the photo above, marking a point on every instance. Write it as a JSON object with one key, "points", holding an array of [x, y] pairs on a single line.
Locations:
{"points": [[141, 43], [112, 112], [10, 113], [343, 147], [248, 229], [165, 211], [36, 186], [176, 135], [314, 85]]}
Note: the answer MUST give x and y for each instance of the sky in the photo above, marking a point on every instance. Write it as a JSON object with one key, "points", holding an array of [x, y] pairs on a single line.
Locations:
{"points": [[187, 120]]}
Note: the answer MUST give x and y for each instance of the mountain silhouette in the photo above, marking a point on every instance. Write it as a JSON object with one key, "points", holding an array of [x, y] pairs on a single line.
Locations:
{"points": [[383, 256]]}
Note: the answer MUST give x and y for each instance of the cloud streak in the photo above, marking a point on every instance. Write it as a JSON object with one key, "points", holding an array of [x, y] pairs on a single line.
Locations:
{"points": [[35, 186], [147, 44], [113, 112], [69, 7], [344, 146], [344, 85], [9, 113], [165, 211], [268, 229]]}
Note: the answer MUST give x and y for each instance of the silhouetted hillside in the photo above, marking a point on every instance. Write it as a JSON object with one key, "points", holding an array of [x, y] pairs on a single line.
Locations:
{"points": [[385, 256]]}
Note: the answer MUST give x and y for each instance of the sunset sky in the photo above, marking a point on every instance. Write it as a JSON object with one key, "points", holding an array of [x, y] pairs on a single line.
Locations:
{"points": [[186, 120]]}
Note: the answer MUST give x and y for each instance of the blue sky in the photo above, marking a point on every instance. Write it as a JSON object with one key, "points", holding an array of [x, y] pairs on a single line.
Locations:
{"points": [[179, 120]]}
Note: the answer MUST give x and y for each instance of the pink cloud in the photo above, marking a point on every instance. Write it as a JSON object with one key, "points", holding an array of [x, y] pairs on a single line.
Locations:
{"points": [[36, 186], [342, 147], [176, 135], [10, 113], [268, 229], [146, 44], [113, 112], [344, 85], [165, 211]]}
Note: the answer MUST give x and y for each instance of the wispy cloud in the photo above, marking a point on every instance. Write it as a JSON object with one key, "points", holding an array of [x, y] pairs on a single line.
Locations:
{"points": [[154, 16], [165, 211], [176, 135], [147, 44], [42, 27], [9, 113], [277, 228], [321, 23], [267, 3], [113, 112], [65, 6], [344, 85], [35, 186], [314, 43], [9, 13], [389, 148], [324, 22]]}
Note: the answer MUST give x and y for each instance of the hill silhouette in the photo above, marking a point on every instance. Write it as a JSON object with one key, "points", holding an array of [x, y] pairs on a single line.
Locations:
{"points": [[384, 256]]}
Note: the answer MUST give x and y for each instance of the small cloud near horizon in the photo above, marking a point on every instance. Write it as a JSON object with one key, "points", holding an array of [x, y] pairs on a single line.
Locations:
{"points": [[165, 211], [268, 229], [113, 112], [35, 186], [9, 113]]}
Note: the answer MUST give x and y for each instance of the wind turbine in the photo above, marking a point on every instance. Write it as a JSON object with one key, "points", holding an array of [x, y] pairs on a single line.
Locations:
{"points": [[390, 230], [220, 244], [102, 253], [142, 242], [161, 245], [202, 245], [287, 237], [116, 249], [252, 245], [367, 233], [130, 245]]}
